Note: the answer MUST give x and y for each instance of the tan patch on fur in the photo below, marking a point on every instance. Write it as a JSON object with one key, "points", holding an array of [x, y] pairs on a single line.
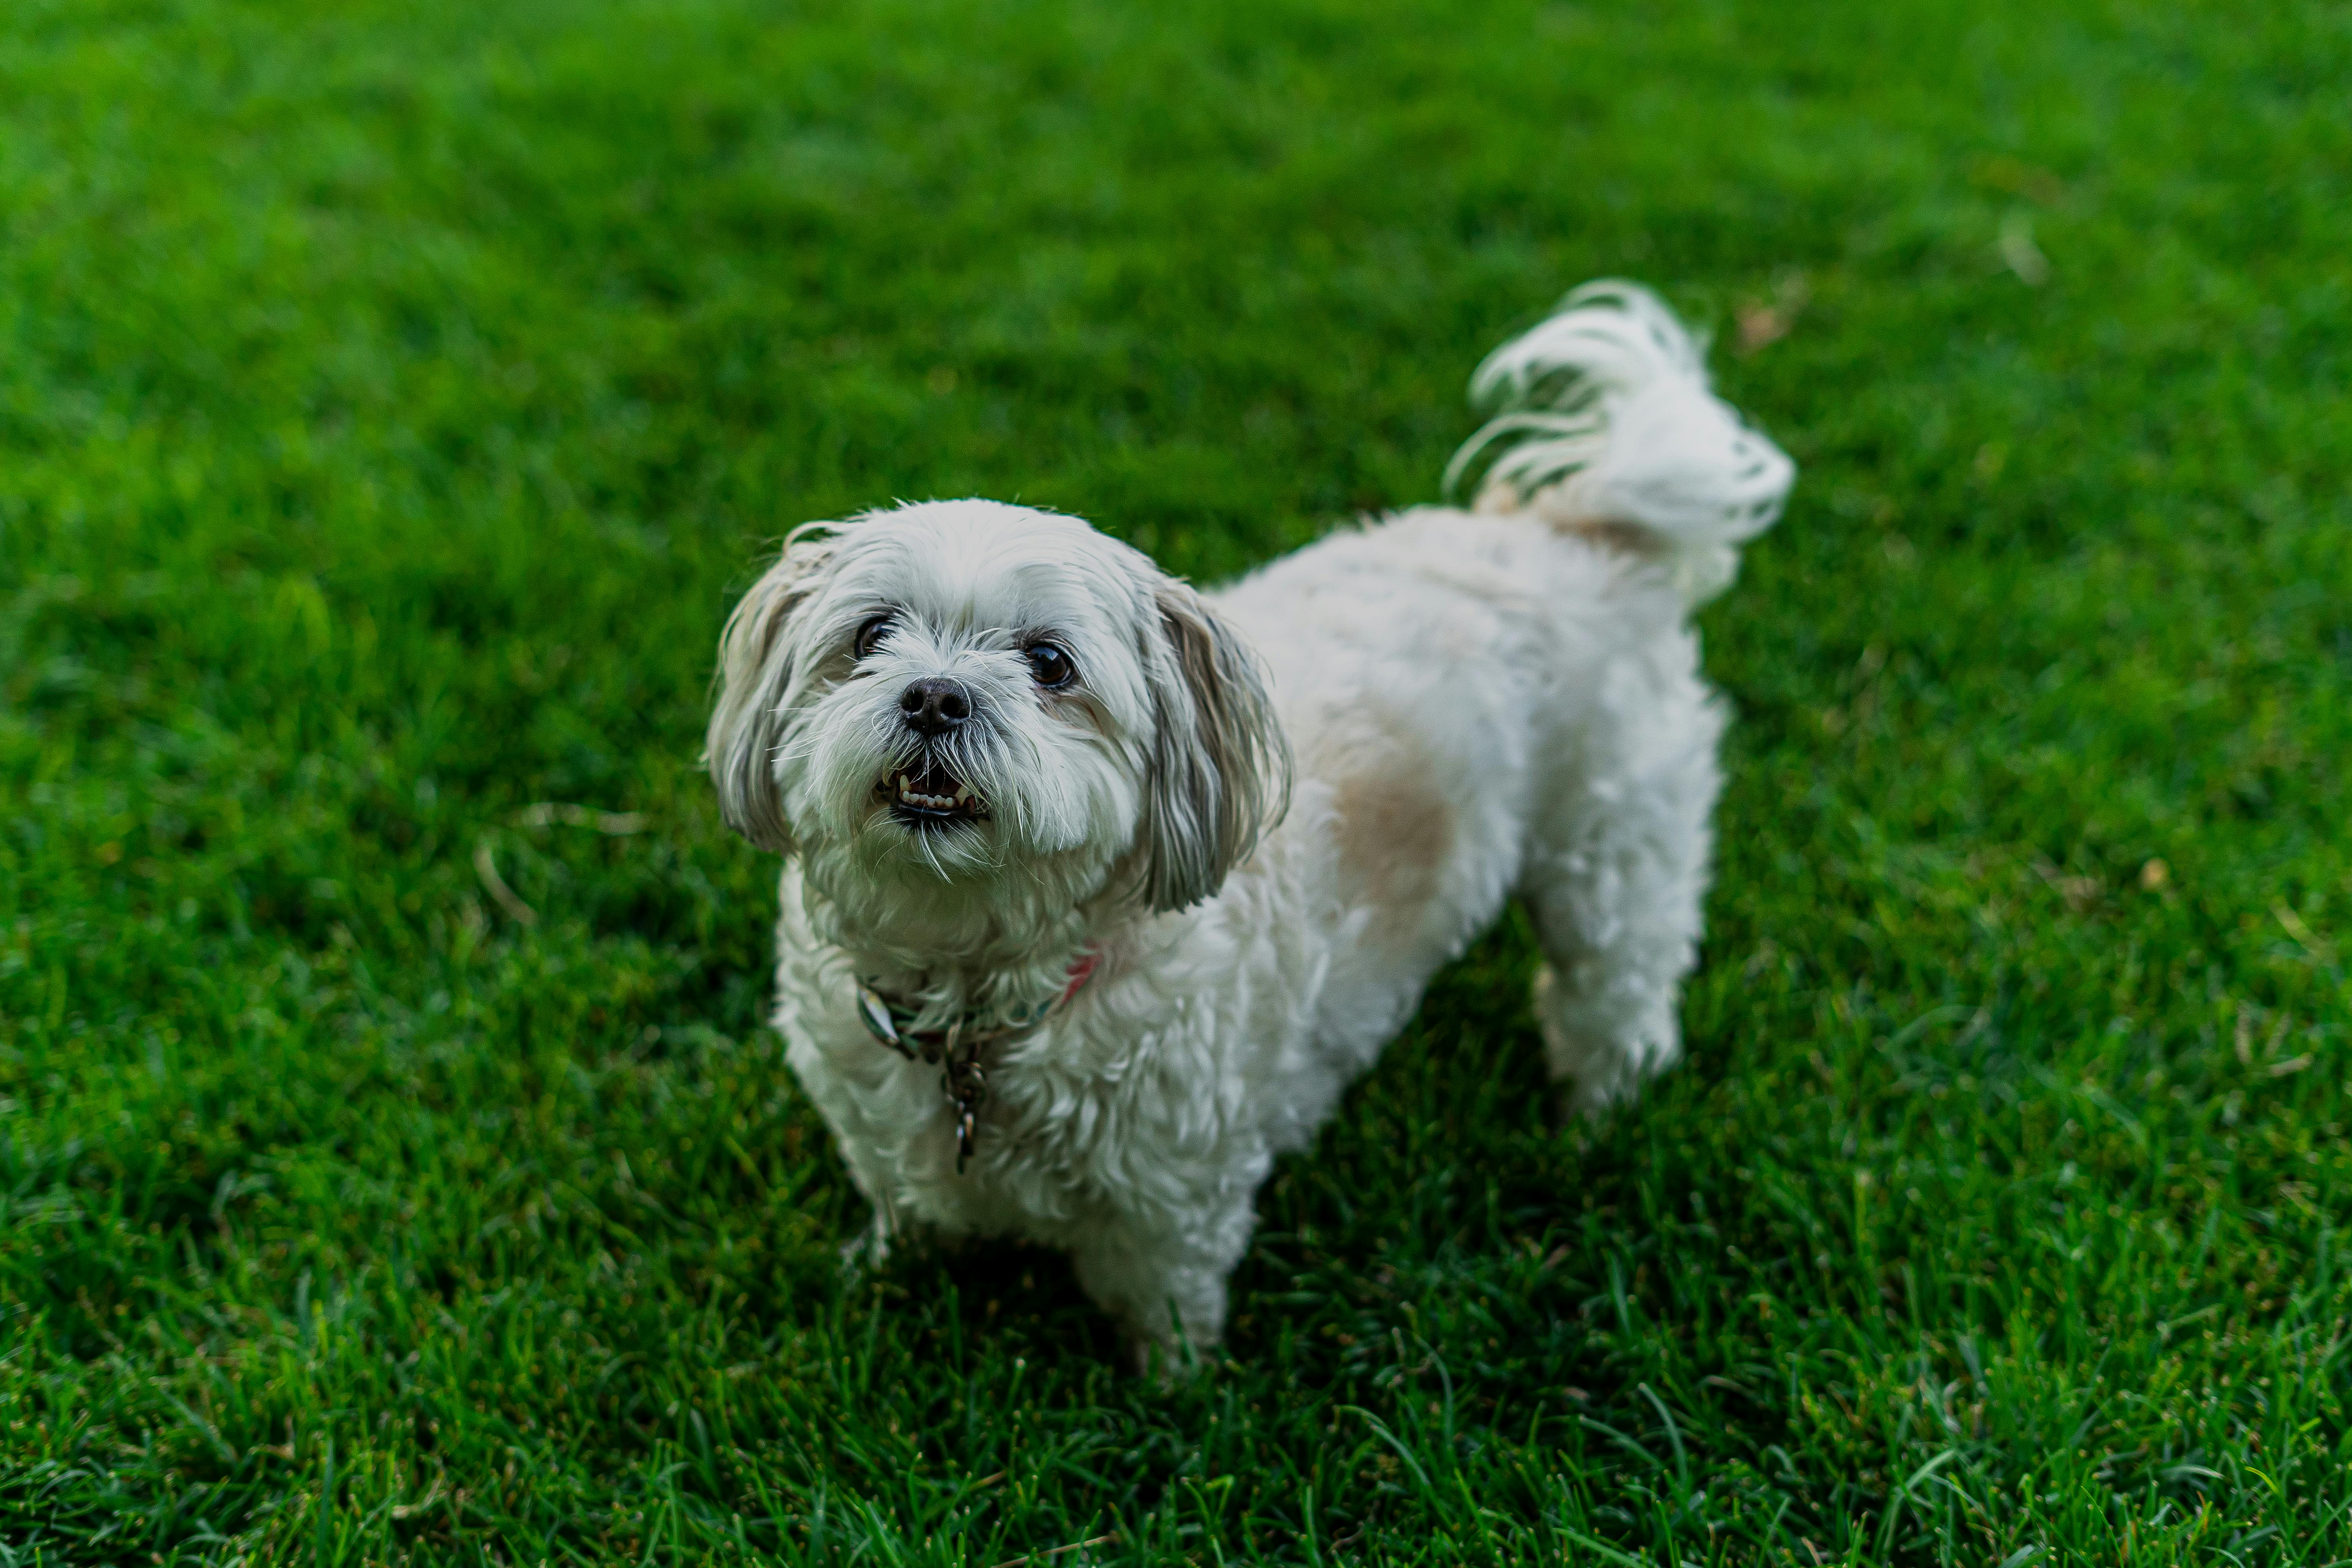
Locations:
{"points": [[1395, 829], [1501, 498], [1622, 536]]}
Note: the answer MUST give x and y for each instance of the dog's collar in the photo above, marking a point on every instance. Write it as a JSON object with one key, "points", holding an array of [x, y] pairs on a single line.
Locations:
{"points": [[958, 1046]]}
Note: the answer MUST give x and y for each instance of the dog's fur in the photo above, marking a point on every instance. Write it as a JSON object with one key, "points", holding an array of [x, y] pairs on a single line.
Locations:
{"points": [[1455, 706]]}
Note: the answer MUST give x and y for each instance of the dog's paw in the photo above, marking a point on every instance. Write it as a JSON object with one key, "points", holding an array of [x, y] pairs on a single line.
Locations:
{"points": [[1591, 1105], [868, 1250], [1168, 1364], [1600, 1065]]}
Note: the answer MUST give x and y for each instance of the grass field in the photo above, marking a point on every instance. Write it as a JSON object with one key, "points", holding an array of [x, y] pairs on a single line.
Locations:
{"points": [[393, 396]]}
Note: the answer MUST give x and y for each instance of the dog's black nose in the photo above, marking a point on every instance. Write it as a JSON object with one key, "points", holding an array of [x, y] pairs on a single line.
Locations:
{"points": [[935, 706]]}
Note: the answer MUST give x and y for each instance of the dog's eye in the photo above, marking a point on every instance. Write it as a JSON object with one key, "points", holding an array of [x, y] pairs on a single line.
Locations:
{"points": [[1050, 667], [870, 633]]}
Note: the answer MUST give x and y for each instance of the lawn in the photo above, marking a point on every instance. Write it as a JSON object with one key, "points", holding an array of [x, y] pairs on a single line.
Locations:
{"points": [[393, 398]]}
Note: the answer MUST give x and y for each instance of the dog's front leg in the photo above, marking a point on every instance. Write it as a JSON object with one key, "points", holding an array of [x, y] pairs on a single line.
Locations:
{"points": [[1163, 1277]]}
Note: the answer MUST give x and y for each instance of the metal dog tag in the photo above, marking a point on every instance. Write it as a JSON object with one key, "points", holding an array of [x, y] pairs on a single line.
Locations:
{"points": [[875, 1013]]}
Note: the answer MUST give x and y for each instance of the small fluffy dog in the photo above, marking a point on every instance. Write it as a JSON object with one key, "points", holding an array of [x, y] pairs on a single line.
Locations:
{"points": [[1099, 891]]}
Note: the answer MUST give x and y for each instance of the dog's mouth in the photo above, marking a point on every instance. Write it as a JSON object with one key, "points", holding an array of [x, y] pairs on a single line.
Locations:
{"points": [[928, 793]]}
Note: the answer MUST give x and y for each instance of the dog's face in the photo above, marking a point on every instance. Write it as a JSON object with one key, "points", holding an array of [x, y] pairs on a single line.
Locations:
{"points": [[978, 709]]}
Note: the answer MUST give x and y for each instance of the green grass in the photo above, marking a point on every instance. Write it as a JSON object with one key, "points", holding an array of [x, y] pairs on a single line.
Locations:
{"points": [[392, 397]]}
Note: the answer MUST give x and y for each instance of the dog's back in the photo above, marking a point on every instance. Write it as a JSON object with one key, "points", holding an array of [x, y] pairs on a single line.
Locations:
{"points": [[1508, 699]]}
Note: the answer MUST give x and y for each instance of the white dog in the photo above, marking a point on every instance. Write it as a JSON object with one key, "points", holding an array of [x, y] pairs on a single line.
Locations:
{"points": [[1055, 959]]}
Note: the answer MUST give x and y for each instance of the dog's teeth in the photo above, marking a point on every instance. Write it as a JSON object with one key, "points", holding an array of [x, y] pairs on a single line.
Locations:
{"points": [[902, 785]]}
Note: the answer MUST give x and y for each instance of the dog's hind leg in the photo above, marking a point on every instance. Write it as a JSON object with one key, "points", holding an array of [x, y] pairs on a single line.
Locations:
{"points": [[1614, 876]]}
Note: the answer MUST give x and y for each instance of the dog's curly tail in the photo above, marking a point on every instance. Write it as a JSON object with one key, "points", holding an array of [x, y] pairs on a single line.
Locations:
{"points": [[1604, 423]]}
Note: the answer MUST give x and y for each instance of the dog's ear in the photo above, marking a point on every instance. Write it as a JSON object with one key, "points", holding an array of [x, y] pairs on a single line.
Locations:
{"points": [[755, 673], [1220, 766]]}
